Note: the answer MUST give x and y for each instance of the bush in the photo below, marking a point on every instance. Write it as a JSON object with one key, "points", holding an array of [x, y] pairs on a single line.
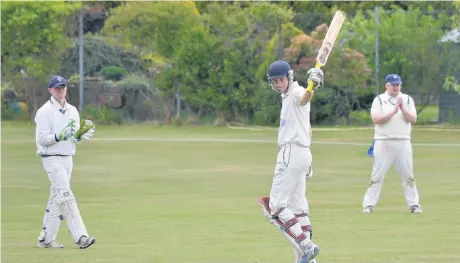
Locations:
{"points": [[99, 54], [14, 111], [101, 115], [7, 114], [113, 73], [268, 111], [362, 117], [324, 106]]}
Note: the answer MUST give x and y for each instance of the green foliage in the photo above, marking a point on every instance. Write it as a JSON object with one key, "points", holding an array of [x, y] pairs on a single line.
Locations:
{"points": [[269, 106], [216, 54], [413, 52], [34, 36], [133, 86], [134, 83], [360, 118], [99, 53], [147, 26], [196, 72], [101, 115], [7, 114], [215, 66], [113, 73], [247, 30], [451, 83]]}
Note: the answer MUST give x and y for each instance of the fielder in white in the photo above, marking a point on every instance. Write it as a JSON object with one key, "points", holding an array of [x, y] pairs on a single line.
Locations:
{"points": [[392, 113], [287, 206], [58, 129]]}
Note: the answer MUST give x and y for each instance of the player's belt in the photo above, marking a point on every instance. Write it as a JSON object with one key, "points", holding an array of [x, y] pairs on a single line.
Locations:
{"points": [[293, 142], [50, 155]]}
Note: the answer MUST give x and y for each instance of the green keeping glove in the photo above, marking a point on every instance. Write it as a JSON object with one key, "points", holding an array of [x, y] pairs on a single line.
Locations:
{"points": [[85, 126], [67, 132]]}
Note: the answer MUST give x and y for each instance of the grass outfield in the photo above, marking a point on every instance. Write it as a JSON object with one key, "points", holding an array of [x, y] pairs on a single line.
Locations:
{"points": [[161, 198]]}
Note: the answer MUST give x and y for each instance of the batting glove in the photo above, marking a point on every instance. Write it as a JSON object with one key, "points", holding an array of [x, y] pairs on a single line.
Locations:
{"points": [[86, 131], [67, 132], [317, 76]]}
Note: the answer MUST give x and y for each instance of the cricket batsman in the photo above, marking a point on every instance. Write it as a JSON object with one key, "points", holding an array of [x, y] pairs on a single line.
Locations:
{"points": [[393, 113], [287, 206], [58, 129]]}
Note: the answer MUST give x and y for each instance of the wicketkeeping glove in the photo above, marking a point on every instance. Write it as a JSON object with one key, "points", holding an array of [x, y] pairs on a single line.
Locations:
{"points": [[86, 131], [317, 76], [67, 132], [89, 134]]}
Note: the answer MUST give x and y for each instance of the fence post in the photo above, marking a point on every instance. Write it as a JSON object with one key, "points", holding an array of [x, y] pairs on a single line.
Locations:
{"points": [[80, 38], [377, 50]]}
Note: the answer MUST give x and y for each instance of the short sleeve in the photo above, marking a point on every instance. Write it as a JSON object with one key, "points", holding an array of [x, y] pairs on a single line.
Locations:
{"points": [[376, 107], [411, 104]]}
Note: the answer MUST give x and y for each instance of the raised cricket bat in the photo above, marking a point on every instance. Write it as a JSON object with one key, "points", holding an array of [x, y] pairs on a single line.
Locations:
{"points": [[328, 42]]}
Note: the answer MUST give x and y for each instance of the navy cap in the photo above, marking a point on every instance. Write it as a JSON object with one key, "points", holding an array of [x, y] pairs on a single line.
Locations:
{"points": [[393, 79], [57, 81]]}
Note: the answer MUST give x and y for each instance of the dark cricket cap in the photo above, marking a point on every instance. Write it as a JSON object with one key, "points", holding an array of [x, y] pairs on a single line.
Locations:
{"points": [[393, 79], [56, 81]]}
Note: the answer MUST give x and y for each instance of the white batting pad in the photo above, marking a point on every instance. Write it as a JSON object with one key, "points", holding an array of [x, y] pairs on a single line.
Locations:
{"points": [[304, 221], [51, 224], [69, 209]]}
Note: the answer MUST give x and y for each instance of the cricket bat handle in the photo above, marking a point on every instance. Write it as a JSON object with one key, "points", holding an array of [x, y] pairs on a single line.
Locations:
{"points": [[310, 82]]}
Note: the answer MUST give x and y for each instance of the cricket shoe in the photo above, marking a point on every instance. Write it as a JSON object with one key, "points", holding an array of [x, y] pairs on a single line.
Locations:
{"points": [[368, 209], [415, 209], [86, 242], [311, 251], [42, 244]]}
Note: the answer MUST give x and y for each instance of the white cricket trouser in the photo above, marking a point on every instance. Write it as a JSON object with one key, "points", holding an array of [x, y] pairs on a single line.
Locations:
{"points": [[289, 184], [59, 170], [387, 153], [287, 195]]}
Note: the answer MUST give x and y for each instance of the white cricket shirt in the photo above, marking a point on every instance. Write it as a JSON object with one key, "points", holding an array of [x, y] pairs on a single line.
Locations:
{"points": [[396, 127], [50, 120], [295, 118]]}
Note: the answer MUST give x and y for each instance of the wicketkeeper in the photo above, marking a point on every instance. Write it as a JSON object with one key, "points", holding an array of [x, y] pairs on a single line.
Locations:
{"points": [[58, 129]]}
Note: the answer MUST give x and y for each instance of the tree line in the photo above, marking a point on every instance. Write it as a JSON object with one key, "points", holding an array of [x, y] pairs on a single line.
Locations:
{"points": [[216, 54]]}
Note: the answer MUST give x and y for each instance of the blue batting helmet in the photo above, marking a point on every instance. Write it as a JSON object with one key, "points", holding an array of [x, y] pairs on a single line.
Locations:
{"points": [[278, 69]]}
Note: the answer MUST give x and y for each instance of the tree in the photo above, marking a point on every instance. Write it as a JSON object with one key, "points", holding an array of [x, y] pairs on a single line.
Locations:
{"points": [[154, 30], [151, 26], [34, 38], [409, 46], [451, 44], [345, 73], [245, 34], [98, 54], [196, 69]]}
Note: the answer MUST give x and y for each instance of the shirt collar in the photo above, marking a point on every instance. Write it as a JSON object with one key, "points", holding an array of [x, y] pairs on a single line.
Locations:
{"points": [[56, 104], [290, 89]]}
